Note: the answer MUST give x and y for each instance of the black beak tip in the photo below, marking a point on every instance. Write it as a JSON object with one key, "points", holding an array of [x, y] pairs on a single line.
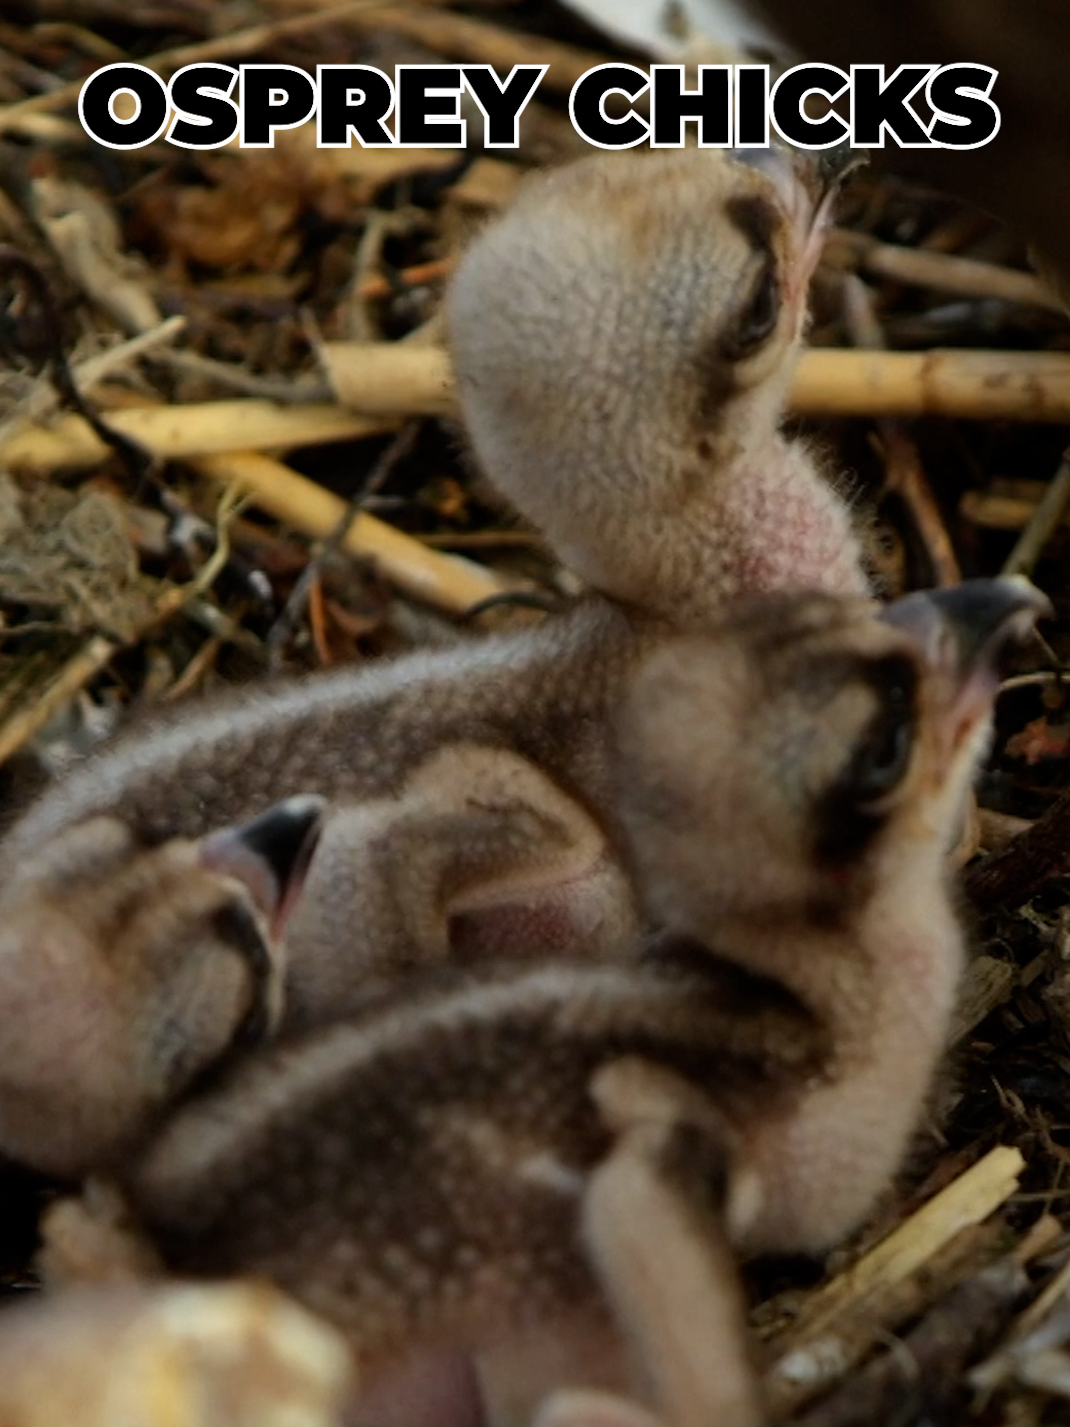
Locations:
{"points": [[285, 837], [834, 166], [821, 173]]}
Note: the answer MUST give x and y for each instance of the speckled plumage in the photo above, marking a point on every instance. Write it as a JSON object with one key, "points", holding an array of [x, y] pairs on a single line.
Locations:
{"points": [[469, 1163], [654, 283], [382, 1144], [128, 971], [366, 740]]}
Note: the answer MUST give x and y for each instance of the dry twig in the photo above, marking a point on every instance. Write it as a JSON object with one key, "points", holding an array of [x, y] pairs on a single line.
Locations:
{"points": [[447, 581], [943, 271], [399, 378], [174, 432], [840, 1320], [904, 472], [1034, 858], [44, 398], [924, 1372], [232, 46], [310, 582], [1043, 523]]}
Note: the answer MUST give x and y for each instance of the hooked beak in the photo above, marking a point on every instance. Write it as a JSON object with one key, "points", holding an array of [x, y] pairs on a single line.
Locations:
{"points": [[963, 633], [270, 855], [970, 625], [832, 168], [820, 173]]}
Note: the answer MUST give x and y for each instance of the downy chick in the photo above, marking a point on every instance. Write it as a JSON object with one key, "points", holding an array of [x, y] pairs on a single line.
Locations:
{"points": [[540, 870], [835, 803], [623, 338], [127, 971], [477, 774], [479, 1166]]}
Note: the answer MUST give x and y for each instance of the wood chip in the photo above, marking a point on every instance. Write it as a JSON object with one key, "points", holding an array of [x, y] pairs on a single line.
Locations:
{"points": [[825, 1338]]}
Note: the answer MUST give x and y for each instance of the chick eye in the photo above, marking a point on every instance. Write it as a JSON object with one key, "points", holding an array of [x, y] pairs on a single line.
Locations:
{"points": [[758, 318], [883, 754]]}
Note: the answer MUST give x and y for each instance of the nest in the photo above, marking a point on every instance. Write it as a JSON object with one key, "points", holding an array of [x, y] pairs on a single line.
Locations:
{"points": [[229, 447]]}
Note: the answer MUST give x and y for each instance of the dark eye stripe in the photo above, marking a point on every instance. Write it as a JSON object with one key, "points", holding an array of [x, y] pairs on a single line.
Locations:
{"points": [[848, 814], [755, 323], [758, 219]]}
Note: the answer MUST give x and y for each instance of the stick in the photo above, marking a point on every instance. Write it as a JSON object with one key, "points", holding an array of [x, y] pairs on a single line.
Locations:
{"points": [[447, 581], [482, 43], [201, 428], [904, 471], [82, 666], [1043, 523], [942, 271], [986, 1377], [966, 1200], [988, 982], [994, 511], [391, 378], [310, 580], [907, 477], [825, 1337], [987, 386], [926, 1369], [1011, 877], [434, 271], [95, 370], [1016, 386], [242, 42], [289, 390], [998, 830], [44, 398], [815, 1367]]}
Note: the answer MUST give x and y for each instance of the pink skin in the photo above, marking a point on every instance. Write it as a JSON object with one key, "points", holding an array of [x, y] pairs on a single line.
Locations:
{"points": [[661, 478]]}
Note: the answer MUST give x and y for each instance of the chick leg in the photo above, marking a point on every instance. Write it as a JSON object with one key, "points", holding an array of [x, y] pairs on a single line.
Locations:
{"points": [[656, 1216]]}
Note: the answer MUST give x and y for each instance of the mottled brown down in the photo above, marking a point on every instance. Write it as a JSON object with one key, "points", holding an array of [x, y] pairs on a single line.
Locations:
{"points": [[420, 740], [477, 777], [129, 972], [488, 1163]]}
